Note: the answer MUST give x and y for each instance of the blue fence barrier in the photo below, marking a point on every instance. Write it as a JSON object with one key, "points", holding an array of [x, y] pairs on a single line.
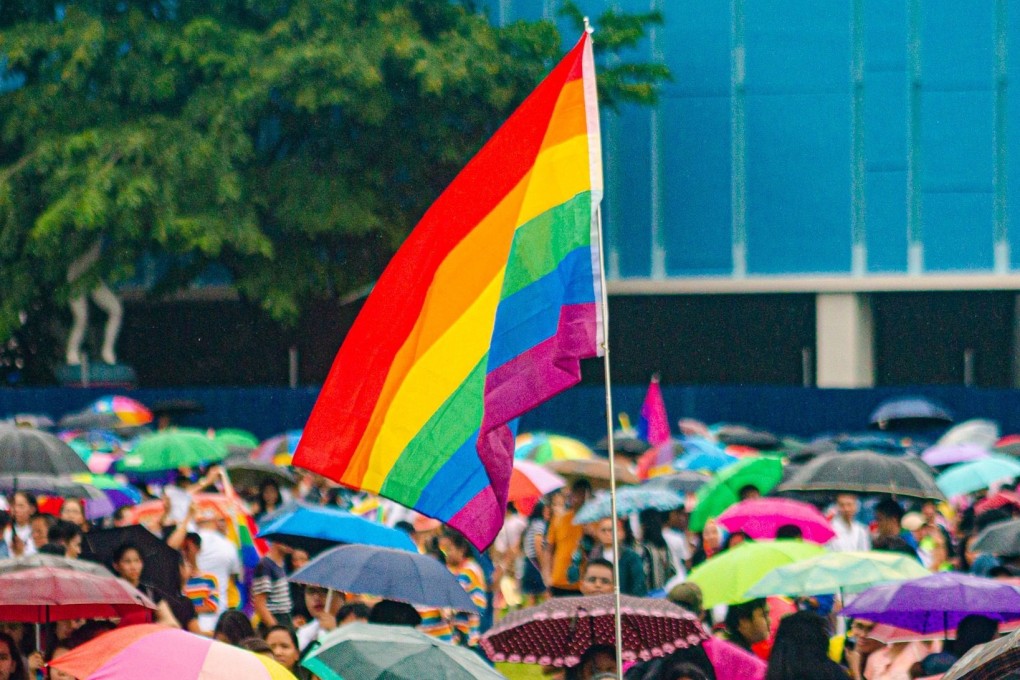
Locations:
{"points": [[579, 412]]}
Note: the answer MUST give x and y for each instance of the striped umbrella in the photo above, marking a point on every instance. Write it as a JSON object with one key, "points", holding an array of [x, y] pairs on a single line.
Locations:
{"points": [[157, 652], [541, 447], [120, 493], [127, 410]]}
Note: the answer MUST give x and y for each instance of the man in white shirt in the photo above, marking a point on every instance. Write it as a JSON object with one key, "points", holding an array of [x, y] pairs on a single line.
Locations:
{"points": [[850, 534], [218, 556], [675, 534]]}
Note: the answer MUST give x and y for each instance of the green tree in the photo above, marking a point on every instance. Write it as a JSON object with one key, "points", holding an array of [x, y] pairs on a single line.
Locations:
{"points": [[295, 142]]}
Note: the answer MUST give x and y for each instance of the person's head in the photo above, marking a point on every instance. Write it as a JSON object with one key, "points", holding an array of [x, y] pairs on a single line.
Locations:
{"points": [[686, 671], [748, 492], [929, 511], [735, 539], [12, 665], [394, 613], [860, 631], [596, 660], [678, 518], [127, 562], [40, 524], [711, 536], [232, 627], [352, 612], [455, 547], [651, 521], [279, 551], [68, 535], [801, 641], [537, 512], [298, 558], [689, 596], [597, 577], [73, 511], [23, 506], [748, 622], [974, 630], [284, 643], [257, 645], [847, 506], [580, 491], [269, 494], [191, 546], [888, 515], [88, 631], [790, 532], [55, 653], [316, 598]]}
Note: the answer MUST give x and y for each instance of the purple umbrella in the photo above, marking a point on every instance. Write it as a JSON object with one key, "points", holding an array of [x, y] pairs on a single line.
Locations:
{"points": [[948, 454], [937, 602]]}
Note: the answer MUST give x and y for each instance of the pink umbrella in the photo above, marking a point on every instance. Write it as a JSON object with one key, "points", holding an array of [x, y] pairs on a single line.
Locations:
{"points": [[948, 454], [761, 517], [44, 594]]}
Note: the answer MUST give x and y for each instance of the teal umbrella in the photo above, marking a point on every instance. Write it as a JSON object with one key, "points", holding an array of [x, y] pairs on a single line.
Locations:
{"points": [[368, 651], [171, 450], [976, 475], [839, 572]]}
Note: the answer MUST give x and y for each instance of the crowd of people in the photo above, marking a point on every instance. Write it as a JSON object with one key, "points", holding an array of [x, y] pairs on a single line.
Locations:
{"points": [[539, 555]]}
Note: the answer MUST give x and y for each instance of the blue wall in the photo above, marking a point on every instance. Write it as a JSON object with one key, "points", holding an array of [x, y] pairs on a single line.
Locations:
{"points": [[801, 128]]}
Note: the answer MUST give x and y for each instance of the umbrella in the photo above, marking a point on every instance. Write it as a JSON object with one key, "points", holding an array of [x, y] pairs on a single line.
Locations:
{"points": [[980, 474], [96, 503], [530, 481], [723, 491], [977, 431], [628, 500], [559, 631], [658, 460], [120, 493], [909, 413], [837, 572], [541, 447], [128, 411], [866, 472], [741, 435], [949, 454], [278, 450], [232, 437], [762, 517], [40, 421], [54, 561], [725, 578], [157, 652], [595, 471], [1000, 538], [316, 528], [386, 572], [253, 473], [149, 511], [681, 482], [171, 449], [999, 499], [44, 594], [700, 454], [993, 660], [624, 444], [24, 449], [937, 602], [369, 651], [160, 561]]}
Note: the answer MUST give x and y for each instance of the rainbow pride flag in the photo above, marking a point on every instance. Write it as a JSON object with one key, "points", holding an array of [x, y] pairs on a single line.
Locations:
{"points": [[483, 313]]}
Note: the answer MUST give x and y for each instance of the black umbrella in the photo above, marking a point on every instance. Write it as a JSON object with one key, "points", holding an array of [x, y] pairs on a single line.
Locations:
{"points": [[681, 482], [866, 472], [999, 538], [909, 413], [97, 504], [90, 420], [740, 435], [624, 445], [252, 473], [24, 449], [161, 562]]}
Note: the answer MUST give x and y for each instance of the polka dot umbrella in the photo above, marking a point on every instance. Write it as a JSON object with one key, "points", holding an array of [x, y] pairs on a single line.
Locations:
{"points": [[558, 632]]}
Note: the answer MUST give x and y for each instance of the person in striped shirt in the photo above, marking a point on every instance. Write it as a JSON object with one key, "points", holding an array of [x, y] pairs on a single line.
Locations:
{"points": [[270, 589], [469, 573]]}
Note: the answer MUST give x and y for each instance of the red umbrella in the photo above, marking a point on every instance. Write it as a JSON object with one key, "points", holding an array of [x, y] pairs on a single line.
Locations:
{"points": [[44, 594], [558, 632], [1001, 499]]}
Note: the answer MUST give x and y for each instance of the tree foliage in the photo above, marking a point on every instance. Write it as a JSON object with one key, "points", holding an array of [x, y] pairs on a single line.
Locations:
{"points": [[295, 142]]}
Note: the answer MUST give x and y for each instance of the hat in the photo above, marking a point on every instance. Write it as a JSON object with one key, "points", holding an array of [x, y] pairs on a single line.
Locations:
{"points": [[687, 595], [912, 521]]}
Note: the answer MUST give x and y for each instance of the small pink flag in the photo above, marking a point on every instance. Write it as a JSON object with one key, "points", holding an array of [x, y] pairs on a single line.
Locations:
{"points": [[654, 425]]}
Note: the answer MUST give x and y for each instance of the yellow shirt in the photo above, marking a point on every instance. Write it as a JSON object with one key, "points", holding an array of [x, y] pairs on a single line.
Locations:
{"points": [[563, 536]]}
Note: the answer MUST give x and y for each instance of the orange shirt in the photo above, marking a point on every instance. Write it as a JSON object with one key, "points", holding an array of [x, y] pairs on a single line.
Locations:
{"points": [[563, 536]]}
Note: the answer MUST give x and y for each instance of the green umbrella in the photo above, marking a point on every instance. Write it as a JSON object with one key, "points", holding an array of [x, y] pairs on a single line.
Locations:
{"points": [[763, 473], [368, 651], [839, 572], [242, 439], [726, 577], [171, 450]]}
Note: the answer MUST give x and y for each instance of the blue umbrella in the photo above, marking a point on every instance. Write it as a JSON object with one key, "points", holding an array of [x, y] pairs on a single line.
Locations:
{"points": [[976, 475], [700, 454], [906, 412], [385, 572], [315, 528], [628, 500]]}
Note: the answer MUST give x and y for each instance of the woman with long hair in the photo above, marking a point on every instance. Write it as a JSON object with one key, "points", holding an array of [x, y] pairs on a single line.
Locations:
{"points": [[801, 651], [533, 586], [654, 550]]}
